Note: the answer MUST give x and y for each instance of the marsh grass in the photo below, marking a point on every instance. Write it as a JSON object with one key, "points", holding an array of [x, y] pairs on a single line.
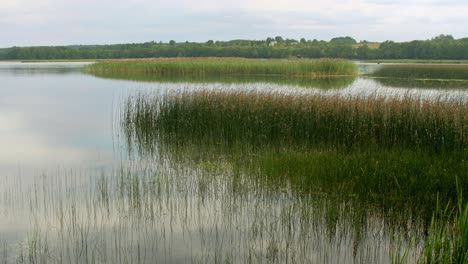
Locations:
{"points": [[447, 240], [423, 71], [302, 81], [416, 61], [423, 84], [396, 157], [222, 66], [392, 153], [333, 122], [398, 184]]}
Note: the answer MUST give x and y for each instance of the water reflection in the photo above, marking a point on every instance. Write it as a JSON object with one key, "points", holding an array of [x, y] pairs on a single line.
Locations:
{"points": [[370, 83], [146, 213], [51, 115], [36, 66], [423, 71], [420, 76], [422, 84], [322, 82], [83, 200]]}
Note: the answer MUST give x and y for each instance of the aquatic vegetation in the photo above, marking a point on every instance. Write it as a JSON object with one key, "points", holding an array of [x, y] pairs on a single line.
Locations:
{"points": [[223, 66], [447, 240], [417, 61], [386, 151], [396, 157], [303, 81], [164, 211], [423, 71], [333, 122], [251, 174], [423, 84]]}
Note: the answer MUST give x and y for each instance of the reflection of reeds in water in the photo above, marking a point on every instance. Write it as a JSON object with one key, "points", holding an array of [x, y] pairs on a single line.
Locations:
{"points": [[216, 66], [423, 84], [152, 212], [302, 81], [423, 71]]}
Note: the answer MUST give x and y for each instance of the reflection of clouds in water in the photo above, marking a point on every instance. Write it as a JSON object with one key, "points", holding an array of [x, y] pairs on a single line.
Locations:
{"points": [[23, 145], [368, 87], [50, 118], [51, 68], [360, 87], [177, 223], [68, 119], [38, 66]]}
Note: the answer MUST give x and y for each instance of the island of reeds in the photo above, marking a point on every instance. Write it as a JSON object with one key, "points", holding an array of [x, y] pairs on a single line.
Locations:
{"points": [[322, 82], [423, 71], [400, 157], [226, 66]]}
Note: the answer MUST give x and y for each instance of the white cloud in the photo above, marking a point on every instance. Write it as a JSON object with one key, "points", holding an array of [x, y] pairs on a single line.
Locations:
{"points": [[43, 22]]}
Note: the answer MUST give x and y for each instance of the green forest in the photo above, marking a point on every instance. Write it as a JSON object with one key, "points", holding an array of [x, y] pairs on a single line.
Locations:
{"points": [[442, 47]]}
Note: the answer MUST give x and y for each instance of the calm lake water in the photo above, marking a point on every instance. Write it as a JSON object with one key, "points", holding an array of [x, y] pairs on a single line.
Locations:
{"points": [[70, 191]]}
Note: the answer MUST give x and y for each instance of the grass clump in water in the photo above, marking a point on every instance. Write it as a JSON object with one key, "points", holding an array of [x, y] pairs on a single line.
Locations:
{"points": [[446, 84], [398, 157], [332, 122], [327, 82], [391, 182], [423, 71], [223, 66], [392, 152], [447, 240]]}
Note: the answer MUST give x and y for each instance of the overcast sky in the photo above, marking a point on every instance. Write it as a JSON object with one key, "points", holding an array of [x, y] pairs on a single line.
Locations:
{"points": [[68, 22]]}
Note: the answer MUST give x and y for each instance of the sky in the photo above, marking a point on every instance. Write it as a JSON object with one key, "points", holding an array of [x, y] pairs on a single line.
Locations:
{"points": [[72, 22]]}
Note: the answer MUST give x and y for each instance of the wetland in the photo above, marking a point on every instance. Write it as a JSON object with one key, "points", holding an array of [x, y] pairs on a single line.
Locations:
{"points": [[221, 166]]}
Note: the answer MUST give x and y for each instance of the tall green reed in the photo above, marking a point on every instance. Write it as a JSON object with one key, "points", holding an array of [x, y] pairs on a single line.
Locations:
{"points": [[391, 153], [423, 71], [217, 66], [447, 240], [323, 82], [332, 122]]}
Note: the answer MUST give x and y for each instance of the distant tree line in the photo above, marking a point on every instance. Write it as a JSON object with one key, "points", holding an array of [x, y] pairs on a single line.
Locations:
{"points": [[440, 47]]}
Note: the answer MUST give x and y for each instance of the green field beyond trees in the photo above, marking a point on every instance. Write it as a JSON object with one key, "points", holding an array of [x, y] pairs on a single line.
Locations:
{"points": [[442, 47]]}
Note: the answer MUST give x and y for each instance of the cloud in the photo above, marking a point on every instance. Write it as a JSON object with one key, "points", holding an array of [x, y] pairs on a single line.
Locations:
{"points": [[59, 22]]}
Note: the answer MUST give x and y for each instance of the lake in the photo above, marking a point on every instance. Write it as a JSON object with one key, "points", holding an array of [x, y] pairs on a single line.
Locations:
{"points": [[76, 187]]}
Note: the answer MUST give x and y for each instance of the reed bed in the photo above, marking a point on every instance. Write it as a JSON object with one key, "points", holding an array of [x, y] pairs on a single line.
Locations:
{"points": [[447, 240], [398, 184], [446, 84], [398, 158], [305, 120], [392, 153], [423, 71], [416, 61], [220, 66], [301, 81]]}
